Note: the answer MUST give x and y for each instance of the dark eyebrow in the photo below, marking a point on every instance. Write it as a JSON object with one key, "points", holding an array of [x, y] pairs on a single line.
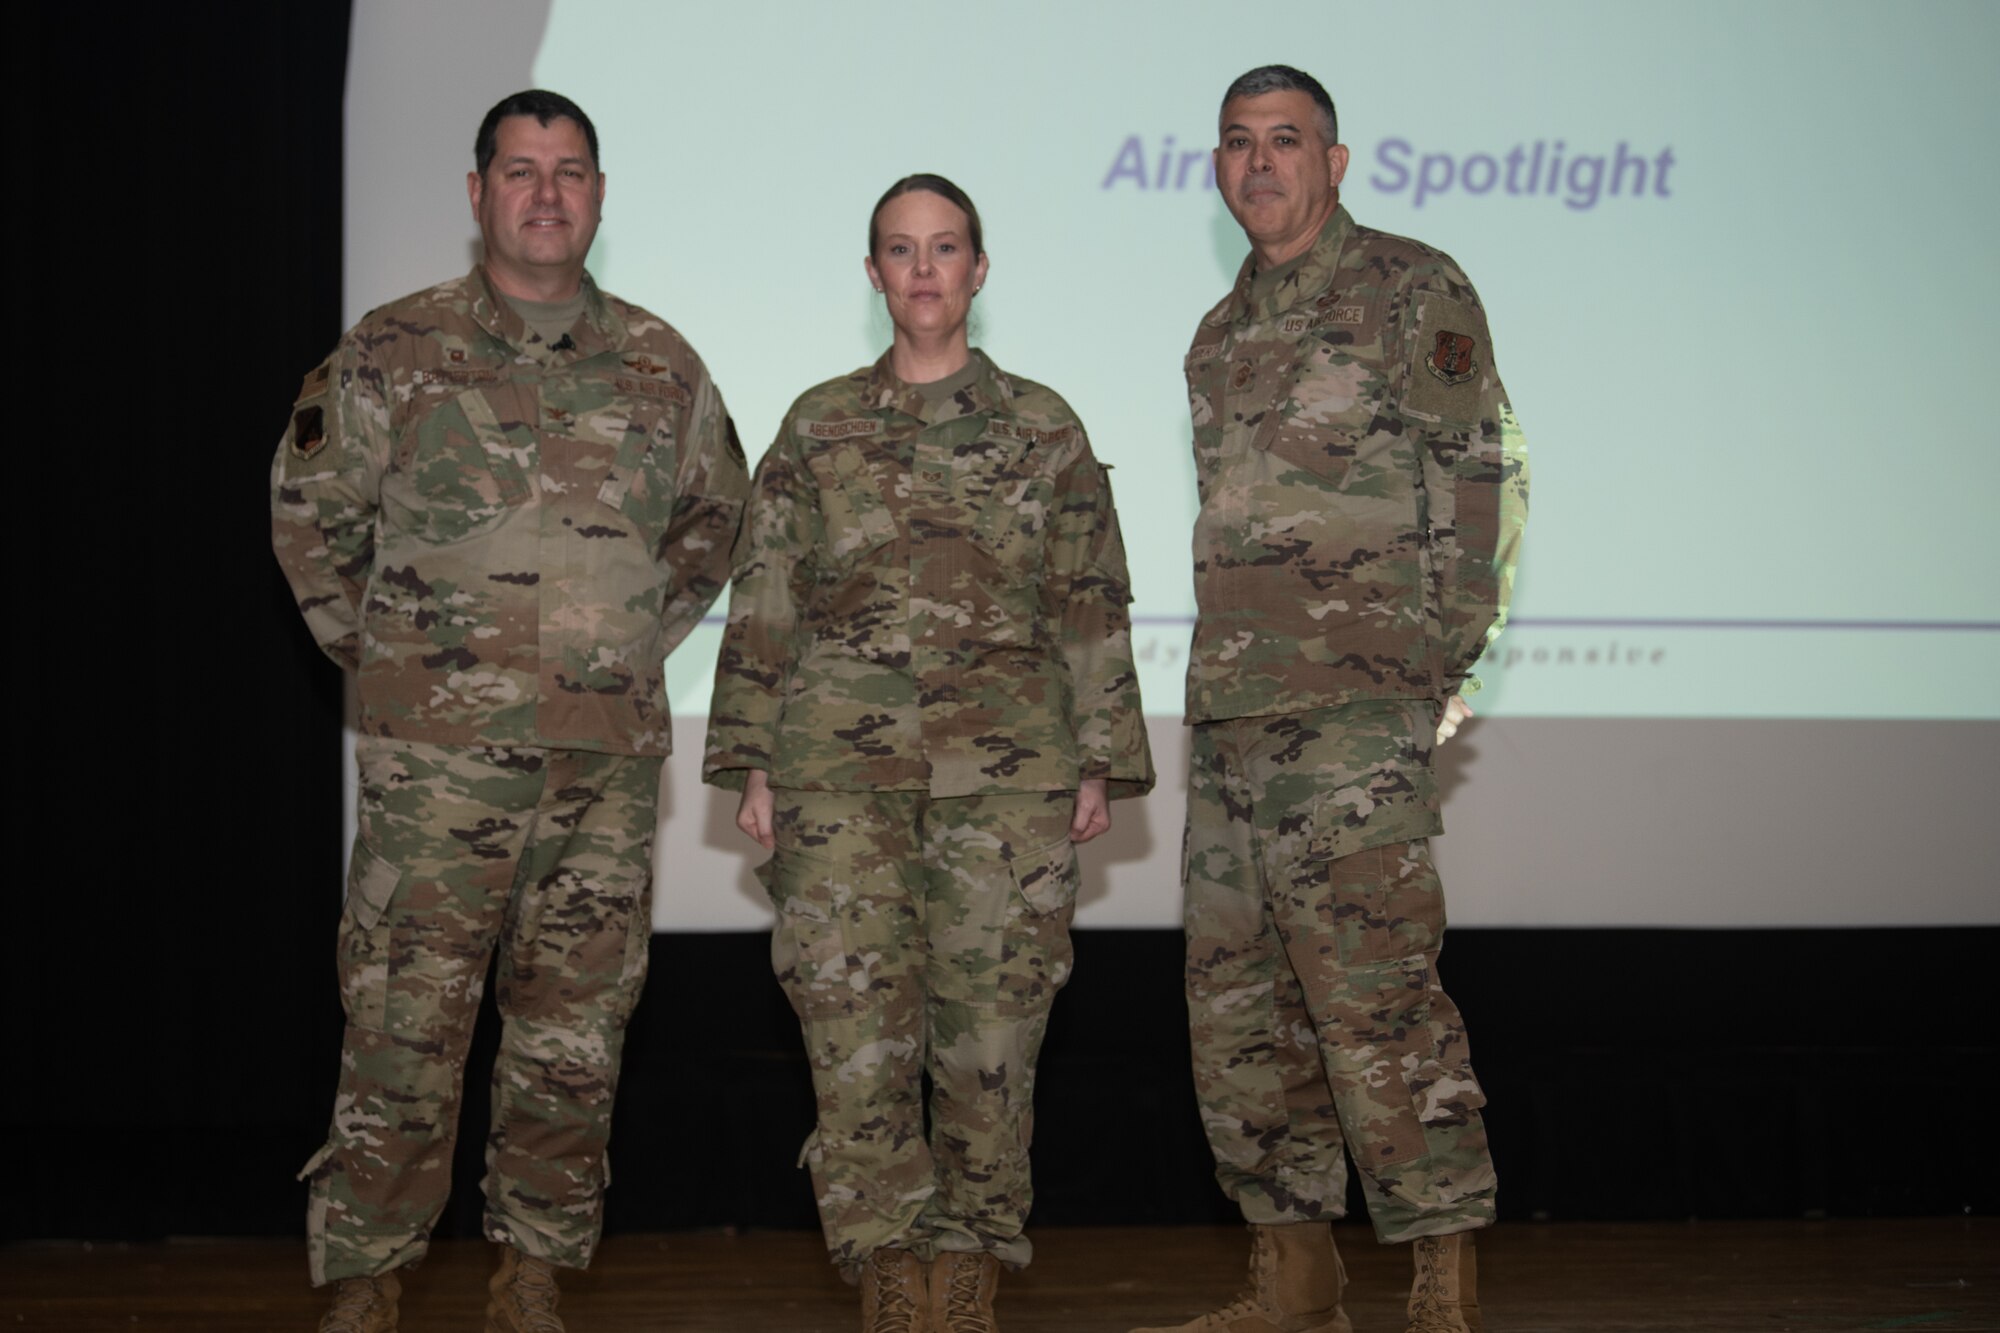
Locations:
{"points": [[573, 159], [1238, 125]]}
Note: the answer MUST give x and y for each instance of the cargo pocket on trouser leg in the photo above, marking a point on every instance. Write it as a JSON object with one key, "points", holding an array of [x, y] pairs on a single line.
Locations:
{"points": [[1040, 956], [1390, 1039], [364, 946], [809, 954], [1452, 1186], [840, 949], [636, 954], [1001, 950]]}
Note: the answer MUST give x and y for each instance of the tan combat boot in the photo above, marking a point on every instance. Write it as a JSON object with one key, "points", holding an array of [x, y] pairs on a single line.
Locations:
{"points": [[893, 1299], [1295, 1281], [1444, 1295], [363, 1305], [962, 1287], [522, 1295]]}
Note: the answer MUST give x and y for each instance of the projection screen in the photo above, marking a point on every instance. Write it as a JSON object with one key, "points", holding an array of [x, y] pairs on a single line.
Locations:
{"points": [[1734, 262]]}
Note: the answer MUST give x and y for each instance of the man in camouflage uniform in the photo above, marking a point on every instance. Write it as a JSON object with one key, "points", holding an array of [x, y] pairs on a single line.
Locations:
{"points": [[1362, 488], [501, 502], [928, 648]]}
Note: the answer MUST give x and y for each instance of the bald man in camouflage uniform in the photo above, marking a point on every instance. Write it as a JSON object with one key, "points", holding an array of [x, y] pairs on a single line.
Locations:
{"points": [[501, 502], [928, 649], [1362, 487]]}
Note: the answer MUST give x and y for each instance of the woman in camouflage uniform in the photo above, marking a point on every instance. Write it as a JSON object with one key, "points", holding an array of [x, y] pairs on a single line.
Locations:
{"points": [[926, 697]]}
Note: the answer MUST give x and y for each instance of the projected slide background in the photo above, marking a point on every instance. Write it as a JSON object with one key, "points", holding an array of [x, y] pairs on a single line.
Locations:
{"points": [[1735, 260], [1739, 287]]}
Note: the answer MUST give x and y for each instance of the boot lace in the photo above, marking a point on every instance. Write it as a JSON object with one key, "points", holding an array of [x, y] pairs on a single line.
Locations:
{"points": [[895, 1312], [961, 1297], [1430, 1311], [1249, 1302], [534, 1293], [353, 1300]]}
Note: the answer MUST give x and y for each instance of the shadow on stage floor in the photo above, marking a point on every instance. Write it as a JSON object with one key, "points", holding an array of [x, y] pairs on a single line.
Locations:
{"points": [[1936, 1276]]}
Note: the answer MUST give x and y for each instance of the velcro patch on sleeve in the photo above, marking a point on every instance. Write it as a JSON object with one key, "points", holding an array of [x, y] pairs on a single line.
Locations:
{"points": [[308, 430], [1453, 359]]}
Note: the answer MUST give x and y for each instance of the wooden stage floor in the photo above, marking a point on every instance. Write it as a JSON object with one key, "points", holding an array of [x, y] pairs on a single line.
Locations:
{"points": [[1926, 1276]]}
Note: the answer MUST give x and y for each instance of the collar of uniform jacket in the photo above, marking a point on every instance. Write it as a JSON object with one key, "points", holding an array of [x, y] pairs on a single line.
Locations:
{"points": [[600, 329], [990, 392], [1307, 282]]}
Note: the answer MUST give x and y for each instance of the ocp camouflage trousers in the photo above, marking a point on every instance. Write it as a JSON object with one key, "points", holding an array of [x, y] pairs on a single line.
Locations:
{"points": [[1314, 919], [543, 857], [919, 935]]}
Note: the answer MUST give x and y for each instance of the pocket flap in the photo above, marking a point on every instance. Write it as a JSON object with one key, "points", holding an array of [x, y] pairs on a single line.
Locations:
{"points": [[1348, 820], [371, 883], [648, 447], [857, 518], [1047, 877]]}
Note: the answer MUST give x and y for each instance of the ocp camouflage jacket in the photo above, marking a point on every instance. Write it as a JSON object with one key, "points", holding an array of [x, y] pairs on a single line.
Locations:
{"points": [[1363, 482], [931, 597], [503, 536]]}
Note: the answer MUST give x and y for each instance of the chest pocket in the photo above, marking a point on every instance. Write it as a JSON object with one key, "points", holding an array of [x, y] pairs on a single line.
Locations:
{"points": [[463, 465], [856, 518], [1330, 409], [1013, 517], [640, 484]]}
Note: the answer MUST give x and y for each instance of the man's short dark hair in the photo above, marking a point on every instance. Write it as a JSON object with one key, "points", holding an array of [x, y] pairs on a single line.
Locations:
{"points": [[1285, 79], [544, 107]]}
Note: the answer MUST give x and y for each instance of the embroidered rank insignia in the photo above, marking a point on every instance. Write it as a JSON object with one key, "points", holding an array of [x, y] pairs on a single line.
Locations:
{"points": [[308, 431], [1451, 360]]}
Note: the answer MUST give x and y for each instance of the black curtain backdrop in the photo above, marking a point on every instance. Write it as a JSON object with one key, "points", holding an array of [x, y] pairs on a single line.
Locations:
{"points": [[171, 1021]]}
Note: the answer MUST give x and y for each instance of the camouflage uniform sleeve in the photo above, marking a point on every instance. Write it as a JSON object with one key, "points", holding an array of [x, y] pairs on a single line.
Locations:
{"points": [[1474, 472], [1513, 519], [325, 484], [766, 591], [1086, 590], [708, 511]]}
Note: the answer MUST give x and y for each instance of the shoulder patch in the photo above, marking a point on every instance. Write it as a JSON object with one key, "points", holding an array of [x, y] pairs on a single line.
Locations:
{"points": [[1451, 358], [1452, 345], [308, 431], [841, 430]]}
